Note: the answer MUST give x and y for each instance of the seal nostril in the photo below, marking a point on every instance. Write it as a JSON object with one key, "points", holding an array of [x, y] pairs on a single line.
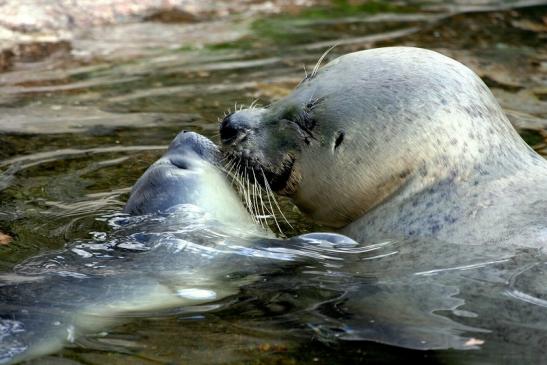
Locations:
{"points": [[227, 131], [228, 134]]}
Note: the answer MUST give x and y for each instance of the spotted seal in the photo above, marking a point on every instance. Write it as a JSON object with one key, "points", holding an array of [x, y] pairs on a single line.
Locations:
{"points": [[397, 142], [187, 174]]}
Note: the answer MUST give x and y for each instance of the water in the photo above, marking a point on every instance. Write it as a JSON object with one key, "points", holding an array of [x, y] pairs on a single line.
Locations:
{"points": [[78, 129]]}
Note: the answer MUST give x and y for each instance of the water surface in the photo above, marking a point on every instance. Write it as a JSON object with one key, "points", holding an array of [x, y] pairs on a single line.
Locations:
{"points": [[78, 128]]}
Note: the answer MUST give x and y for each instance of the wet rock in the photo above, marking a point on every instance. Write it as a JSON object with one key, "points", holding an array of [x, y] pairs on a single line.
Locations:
{"points": [[51, 119], [171, 16], [54, 15], [522, 120], [6, 59], [533, 25], [5, 239], [127, 41], [34, 29], [36, 51]]}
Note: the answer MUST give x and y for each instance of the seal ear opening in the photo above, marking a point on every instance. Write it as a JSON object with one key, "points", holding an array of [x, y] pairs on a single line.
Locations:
{"points": [[339, 139]]}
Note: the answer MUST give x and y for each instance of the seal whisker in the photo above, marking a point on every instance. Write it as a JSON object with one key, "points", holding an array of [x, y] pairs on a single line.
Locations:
{"points": [[224, 159], [230, 173], [246, 196], [225, 163], [229, 167], [253, 197], [253, 104], [252, 191], [235, 176], [240, 186], [249, 197], [318, 64], [262, 191], [266, 214], [245, 193], [270, 203], [255, 200], [259, 191], [262, 218], [242, 189], [267, 184], [236, 179]]}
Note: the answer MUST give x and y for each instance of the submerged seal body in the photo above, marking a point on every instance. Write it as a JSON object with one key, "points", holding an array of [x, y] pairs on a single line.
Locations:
{"points": [[397, 142]]}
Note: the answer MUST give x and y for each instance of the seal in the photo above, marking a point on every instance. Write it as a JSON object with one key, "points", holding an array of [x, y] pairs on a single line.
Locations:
{"points": [[163, 183], [187, 173], [396, 142]]}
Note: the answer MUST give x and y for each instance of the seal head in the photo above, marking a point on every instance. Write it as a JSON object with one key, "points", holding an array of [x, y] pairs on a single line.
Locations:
{"points": [[380, 126], [173, 178], [188, 173]]}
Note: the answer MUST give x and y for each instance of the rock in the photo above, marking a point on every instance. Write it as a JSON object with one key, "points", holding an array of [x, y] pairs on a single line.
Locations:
{"points": [[6, 59], [5, 239], [171, 16], [36, 51]]}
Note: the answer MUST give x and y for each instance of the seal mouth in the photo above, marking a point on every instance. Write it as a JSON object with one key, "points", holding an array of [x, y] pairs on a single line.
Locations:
{"points": [[280, 179]]}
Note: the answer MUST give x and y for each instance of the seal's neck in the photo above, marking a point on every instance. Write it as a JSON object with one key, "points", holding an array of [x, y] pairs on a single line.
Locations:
{"points": [[464, 204]]}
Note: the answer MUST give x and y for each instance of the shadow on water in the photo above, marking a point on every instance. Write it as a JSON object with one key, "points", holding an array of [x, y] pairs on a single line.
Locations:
{"points": [[77, 131]]}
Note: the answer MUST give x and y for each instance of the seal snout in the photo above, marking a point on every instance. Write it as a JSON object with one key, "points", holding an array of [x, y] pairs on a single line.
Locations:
{"points": [[228, 132], [234, 128], [191, 145]]}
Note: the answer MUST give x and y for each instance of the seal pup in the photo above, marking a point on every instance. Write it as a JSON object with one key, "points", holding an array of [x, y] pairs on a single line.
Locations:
{"points": [[188, 173], [397, 142]]}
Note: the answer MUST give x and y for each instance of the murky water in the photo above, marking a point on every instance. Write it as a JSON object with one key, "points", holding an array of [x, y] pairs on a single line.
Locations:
{"points": [[77, 130]]}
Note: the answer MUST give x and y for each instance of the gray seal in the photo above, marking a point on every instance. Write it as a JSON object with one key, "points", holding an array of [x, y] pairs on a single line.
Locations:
{"points": [[188, 173], [397, 142], [172, 179]]}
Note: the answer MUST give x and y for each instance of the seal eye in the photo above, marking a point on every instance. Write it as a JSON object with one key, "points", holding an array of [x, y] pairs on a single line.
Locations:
{"points": [[305, 120], [339, 139]]}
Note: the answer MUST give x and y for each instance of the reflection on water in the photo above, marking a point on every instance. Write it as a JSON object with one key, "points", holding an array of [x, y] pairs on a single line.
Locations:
{"points": [[78, 129], [146, 264], [182, 267]]}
